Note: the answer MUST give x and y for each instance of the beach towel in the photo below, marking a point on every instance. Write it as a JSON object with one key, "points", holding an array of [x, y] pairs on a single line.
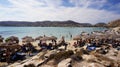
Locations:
{"points": [[91, 48]]}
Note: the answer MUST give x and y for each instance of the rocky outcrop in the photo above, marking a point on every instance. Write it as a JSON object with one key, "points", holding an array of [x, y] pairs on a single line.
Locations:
{"points": [[115, 23], [94, 59], [65, 63], [100, 25], [116, 29]]}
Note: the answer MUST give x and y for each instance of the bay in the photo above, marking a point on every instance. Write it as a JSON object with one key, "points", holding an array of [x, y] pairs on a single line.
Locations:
{"points": [[48, 31]]}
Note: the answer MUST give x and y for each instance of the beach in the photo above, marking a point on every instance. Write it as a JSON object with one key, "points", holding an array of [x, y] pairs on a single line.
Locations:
{"points": [[96, 49], [59, 33]]}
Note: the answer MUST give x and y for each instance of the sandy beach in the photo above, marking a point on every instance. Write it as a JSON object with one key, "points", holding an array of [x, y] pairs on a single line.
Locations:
{"points": [[59, 33], [74, 54]]}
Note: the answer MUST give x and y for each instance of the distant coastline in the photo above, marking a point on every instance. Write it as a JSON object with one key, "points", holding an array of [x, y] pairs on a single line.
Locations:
{"points": [[68, 23], [44, 24]]}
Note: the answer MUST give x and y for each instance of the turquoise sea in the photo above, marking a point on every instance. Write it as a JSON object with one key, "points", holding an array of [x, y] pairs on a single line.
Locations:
{"points": [[48, 31]]}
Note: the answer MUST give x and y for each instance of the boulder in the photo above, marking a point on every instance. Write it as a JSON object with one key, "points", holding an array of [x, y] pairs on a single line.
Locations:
{"points": [[64, 63], [86, 64]]}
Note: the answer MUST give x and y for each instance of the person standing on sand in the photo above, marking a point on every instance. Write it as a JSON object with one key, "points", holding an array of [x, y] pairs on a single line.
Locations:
{"points": [[62, 42], [63, 39], [75, 44]]}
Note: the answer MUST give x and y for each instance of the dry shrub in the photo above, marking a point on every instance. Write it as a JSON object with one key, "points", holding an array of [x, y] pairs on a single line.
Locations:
{"points": [[78, 55], [112, 63], [92, 60], [30, 65], [61, 55], [81, 52], [103, 58]]}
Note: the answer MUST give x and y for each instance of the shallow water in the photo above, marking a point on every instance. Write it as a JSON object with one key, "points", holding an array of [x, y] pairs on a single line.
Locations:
{"points": [[48, 31]]}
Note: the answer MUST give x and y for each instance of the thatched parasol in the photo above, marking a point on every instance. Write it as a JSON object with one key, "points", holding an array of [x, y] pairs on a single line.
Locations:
{"points": [[92, 36], [10, 49], [53, 38], [84, 33], [77, 37], [38, 38], [27, 39], [102, 36], [84, 37], [12, 39], [5, 45], [45, 38]]}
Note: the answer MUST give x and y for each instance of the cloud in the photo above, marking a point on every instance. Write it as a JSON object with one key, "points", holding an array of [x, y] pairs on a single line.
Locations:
{"points": [[40, 10], [52, 3], [36, 3], [89, 3]]}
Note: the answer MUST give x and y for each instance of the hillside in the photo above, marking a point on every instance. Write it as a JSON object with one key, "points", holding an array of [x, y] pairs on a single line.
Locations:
{"points": [[115, 23], [69, 23], [45, 24], [100, 24]]}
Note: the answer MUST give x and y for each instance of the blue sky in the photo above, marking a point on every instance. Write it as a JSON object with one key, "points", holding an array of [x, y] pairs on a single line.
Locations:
{"points": [[82, 11]]}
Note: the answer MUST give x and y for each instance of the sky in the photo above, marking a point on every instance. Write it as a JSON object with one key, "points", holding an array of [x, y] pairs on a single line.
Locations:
{"points": [[82, 11]]}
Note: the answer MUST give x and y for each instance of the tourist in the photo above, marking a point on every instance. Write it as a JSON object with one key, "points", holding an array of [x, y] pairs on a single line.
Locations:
{"points": [[75, 45]]}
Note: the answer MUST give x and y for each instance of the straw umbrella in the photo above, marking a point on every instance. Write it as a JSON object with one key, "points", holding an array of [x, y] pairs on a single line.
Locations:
{"points": [[45, 38], [13, 39], [77, 37], [6, 45], [84, 33], [38, 38], [84, 37], [92, 36], [9, 50], [102, 36], [27, 39], [53, 38]]}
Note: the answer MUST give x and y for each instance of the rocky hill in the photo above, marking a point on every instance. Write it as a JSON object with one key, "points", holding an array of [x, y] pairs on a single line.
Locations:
{"points": [[100, 24], [115, 23], [68, 23]]}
